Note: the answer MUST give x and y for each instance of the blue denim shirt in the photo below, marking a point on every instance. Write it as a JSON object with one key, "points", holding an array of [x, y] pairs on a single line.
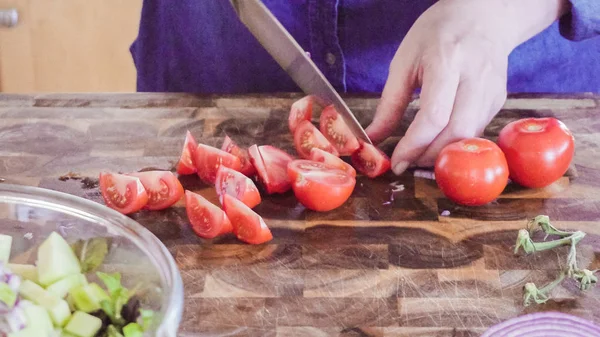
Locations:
{"points": [[200, 46]]}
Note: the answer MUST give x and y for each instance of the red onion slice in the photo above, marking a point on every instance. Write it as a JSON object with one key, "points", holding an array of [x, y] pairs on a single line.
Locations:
{"points": [[546, 324]]}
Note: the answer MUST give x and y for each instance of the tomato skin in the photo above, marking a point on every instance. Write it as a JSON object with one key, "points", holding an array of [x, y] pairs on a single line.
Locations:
{"points": [[163, 188], [301, 110], [271, 166], [209, 159], [472, 171], [237, 185], [122, 193], [334, 128], [186, 164], [370, 161], [538, 150], [325, 157], [318, 186], [207, 220], [247, 225], [230, 146], [308, 136]]}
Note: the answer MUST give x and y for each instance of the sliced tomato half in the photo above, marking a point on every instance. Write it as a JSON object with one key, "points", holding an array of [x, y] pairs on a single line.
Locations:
{"points": [[247, 225], [237, 185], [123, 193], [370, 161], [271, 166], [209, 159], [230, 146], [163, 188], [301, 111], [208, 220], [318, 186], [308, 136], [325, 157], [186, 160], [334, 128]]}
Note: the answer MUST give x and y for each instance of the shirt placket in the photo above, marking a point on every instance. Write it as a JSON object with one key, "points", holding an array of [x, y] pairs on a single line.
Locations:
{"points": [[326, 50]]}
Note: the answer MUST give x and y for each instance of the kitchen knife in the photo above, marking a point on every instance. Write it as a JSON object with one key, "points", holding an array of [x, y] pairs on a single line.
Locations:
{"points": [[293, 59]]}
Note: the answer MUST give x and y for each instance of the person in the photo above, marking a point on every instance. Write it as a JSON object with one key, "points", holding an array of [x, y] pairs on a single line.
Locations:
{"points": [[463, 56]]}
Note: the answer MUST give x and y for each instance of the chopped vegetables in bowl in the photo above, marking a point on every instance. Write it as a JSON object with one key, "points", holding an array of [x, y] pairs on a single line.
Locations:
{"points": [[74, 268]]}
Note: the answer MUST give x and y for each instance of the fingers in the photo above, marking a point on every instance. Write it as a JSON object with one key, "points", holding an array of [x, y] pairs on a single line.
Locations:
{"points": [[468, 119], [395, 97], [437, 98]]}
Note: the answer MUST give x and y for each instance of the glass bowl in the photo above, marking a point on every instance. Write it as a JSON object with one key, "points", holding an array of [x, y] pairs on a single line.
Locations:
{"points": [[30, 214]]}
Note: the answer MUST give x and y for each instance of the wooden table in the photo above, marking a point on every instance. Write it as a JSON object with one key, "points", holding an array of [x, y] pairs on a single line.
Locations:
{"points": [[365, 269]]}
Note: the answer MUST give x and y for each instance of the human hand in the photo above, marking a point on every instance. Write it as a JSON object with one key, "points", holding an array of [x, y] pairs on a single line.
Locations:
{"points": [[457, 52]]}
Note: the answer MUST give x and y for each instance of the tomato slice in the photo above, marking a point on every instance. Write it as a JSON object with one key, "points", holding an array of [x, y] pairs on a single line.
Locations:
{"points": [[301, 111], [334, 128], [209, 159], [208, 220], [321, 156], [370, 161], [186, 160], [230, 146], [308, 136], [163, 188], [247, 225], [123, 193], [318, 186], [237, 185], [271, 166]]}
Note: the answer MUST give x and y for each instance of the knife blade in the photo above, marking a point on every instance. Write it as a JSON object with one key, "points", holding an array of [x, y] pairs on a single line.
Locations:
{"points": [[282, 46]]}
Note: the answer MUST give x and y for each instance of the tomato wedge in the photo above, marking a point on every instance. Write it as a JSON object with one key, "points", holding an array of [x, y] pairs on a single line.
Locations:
{"points": [[370, 161], [318, 186], [247, 225], [209, 159], [123, 193], [208, 220], [301, 111], [163, 188], [325, 157], [271, 165], [334, 128], [230, 146], [186, 160], [237, 185], [308, 136]]}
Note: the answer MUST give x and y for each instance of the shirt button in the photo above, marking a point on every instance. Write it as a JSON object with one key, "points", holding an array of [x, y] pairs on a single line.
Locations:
{"points": [[330, 59]]}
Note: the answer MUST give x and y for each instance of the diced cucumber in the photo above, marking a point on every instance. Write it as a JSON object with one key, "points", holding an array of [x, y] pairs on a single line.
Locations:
{"points": [[5, 245], [7, 296], [56, 260], [25, 271], [61, 288], [29, 332], [87, 298], [83, 325], [133, 330], [38, 317], [57, 308]]}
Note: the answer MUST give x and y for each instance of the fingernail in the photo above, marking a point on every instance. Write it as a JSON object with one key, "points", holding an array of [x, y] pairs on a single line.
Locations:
{"points": [[400, 167]]}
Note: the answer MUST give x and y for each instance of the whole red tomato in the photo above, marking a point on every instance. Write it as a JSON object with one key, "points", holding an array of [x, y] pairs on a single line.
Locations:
{"points": [[538, 150], [472, 171]]}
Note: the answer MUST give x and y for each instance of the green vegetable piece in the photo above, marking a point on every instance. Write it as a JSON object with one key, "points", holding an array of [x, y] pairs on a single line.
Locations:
{"points": [[57, 308], [112, 331], [539, 296], [38, 317], [543, 222], [61, 288], [25, 271], [5, 246], [88, 298], [30, 332], [7, 295], [147, 316], [91, 253], [83, 325], [56, 260], [119, 296], [133, 330]]}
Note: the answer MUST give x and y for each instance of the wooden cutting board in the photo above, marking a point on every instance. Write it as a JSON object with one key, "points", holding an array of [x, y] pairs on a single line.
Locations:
{"points": [[407, 268]]}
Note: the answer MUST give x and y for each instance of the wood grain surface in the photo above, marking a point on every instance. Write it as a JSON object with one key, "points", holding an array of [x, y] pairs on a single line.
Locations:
{"points": [[364, 269]]}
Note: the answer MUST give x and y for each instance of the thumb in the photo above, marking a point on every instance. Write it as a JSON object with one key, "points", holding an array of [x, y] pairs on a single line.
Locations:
{"points": [[395, 97]]}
